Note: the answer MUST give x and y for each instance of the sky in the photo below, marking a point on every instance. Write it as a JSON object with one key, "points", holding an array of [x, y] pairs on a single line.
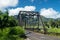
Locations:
{"points": [[46, 8]]}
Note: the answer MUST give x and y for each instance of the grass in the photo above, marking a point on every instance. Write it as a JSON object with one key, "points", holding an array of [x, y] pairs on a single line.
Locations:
{"points": [[12, 33], [54, 30]]}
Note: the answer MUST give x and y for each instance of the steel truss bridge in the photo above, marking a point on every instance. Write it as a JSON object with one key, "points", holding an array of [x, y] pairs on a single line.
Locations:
{"points": [[30, 18]]}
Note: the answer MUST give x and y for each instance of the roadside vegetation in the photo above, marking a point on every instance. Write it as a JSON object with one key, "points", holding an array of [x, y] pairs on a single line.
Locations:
{"points": [[53, 26], [9, 29]]}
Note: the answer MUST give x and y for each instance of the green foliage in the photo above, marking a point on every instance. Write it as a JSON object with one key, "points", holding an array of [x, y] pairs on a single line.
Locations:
{"points": [[54, 30], [12, 22], [13, 33], [17, 31], [7, 21], [9, 29], [54, 23]]}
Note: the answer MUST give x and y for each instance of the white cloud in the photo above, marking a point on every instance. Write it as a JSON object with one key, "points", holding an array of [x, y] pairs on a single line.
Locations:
{"points": [[49, 13], [58, 16], [16, 11], [8, 3], [29, 8]]}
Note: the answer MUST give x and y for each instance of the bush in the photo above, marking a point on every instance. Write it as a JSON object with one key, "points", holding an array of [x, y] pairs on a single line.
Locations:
{"points": [[17, 31], [13, 33]]}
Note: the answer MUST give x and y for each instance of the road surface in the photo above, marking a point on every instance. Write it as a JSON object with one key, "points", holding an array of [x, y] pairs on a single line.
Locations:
{"points": [[37, 36]]}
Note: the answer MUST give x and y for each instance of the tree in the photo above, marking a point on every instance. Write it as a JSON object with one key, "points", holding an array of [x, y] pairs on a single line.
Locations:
{"points": [[7, 21], [52, 23], [12, 22], [57, 23]]}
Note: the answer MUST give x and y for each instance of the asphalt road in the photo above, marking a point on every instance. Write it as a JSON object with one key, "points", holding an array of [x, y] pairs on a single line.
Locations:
{"points": [[37, 36]]}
